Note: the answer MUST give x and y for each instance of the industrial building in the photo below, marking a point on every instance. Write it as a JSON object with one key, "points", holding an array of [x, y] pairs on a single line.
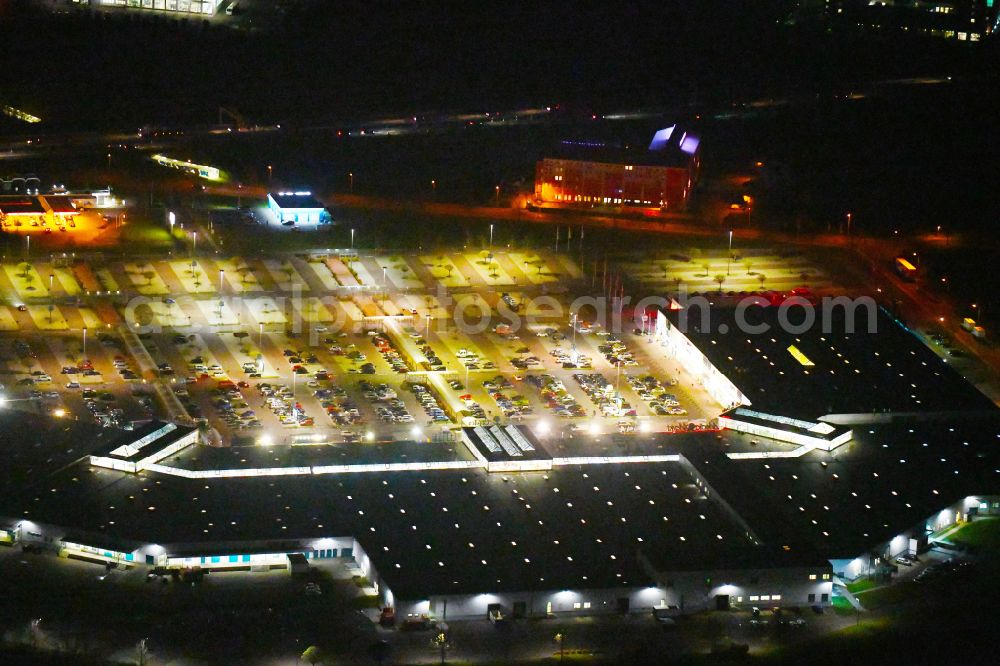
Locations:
{"points": [[291, 208], [203, 7], [582, 174]]}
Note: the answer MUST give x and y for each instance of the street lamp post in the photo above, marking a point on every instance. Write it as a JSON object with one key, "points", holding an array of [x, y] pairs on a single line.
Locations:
{"points": [[52, 277], [434, 189], [222, 272], [84, 352], [260, 337], [269, 173], [575, 357], [498, 194], [729, 255], [352, 239], [350, 181], [172, 219], [491, 236]]}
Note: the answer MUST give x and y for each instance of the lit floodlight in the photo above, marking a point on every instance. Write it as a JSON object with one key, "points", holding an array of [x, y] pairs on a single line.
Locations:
{"points": [[265, 440], [416, 432], [595, 428], [643, 426], [370, 436], [543, 428], [59, 413]]}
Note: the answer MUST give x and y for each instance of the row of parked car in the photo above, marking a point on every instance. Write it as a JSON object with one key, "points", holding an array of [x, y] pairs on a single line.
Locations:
{"points": [[569, 359], [390, 353], [233, 407], [600, 391], [556, 397], [387, 405], [282, 403], [513, 406], [429, 402], [946, 569], [101, 405], [651, 390], [339, 407], [616, 353]]}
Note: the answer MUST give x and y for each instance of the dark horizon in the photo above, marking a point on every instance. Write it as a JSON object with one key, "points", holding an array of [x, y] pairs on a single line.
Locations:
{"points": [[323, 62]]}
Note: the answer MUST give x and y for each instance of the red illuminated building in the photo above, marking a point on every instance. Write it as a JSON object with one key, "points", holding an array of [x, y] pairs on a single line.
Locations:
{"points": [[590, 175]]}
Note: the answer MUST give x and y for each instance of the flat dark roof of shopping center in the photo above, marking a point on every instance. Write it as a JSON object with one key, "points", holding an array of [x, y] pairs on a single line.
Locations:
{"points": [[571, 527], [61, 203], [427, 532], [35, 446], [889, 479], [21, 205], [817, 372]]}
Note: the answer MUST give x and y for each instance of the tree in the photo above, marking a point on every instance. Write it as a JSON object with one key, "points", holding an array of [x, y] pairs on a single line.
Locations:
{"points": [[312, 655], [149, 275], [748, 263], [720, 278], [666, 271], [761, 278]]}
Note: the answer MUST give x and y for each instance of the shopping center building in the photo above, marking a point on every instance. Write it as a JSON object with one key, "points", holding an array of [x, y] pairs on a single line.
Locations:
{"points": [[501, 519]]}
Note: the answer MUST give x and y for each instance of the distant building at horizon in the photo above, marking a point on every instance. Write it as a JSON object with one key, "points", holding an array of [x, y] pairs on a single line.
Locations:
{"points": [[592, 175], [203, 7], [960, 20]]}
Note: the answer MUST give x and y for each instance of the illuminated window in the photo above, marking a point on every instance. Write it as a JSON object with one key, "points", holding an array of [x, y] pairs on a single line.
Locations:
{"points": [[826, 576], [586, 604], [754, 597], [775, 597], [812, 576], [765, 597], [576, 606]]}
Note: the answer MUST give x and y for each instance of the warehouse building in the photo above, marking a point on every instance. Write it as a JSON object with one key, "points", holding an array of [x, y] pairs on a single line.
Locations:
{"points": [[202, 7], [290, 208], [808, 378], [581, 174]]}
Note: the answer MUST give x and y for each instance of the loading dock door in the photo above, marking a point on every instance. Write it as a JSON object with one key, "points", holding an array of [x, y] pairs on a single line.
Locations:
{"points": [[722, 602]]}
